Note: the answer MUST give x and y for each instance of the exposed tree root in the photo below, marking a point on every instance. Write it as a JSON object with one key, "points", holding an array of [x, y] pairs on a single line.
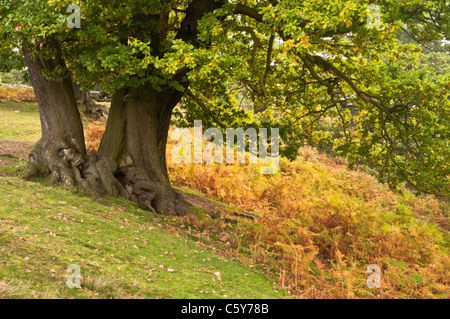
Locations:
{"points": [[54, 157], [101, 176], [150, 193]]}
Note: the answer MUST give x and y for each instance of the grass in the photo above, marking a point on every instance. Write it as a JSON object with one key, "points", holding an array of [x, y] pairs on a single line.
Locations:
{"points": [[15, 167], [19, 121], [123, 252], [320, 226]]}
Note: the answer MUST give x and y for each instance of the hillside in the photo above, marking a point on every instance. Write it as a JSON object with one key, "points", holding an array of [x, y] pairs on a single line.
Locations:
{"points": [[122, 251], [321, 225], [315, 225]]}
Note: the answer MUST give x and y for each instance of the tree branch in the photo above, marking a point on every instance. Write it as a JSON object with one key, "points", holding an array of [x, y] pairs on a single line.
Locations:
{"points": [[364, 96], [248, 11], [205, 108]]}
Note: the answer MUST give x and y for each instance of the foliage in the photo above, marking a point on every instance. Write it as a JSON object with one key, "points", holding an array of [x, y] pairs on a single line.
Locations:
{"points": [[17, 93], [319, 226], [93, 137], [12, 77], [434, 54], [298, 62]]}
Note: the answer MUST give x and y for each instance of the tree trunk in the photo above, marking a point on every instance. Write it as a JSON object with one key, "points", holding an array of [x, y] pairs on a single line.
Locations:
{"points": [[62, 143], [131, 161], [80, 95], [135, 140]]}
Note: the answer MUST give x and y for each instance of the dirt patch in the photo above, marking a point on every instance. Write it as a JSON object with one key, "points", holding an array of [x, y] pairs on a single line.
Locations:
{"points": [[17, 149], [11, 151], [207, 205]]}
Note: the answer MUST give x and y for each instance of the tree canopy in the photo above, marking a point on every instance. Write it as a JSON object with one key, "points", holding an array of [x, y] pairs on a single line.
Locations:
{"points": [[298, 65]]}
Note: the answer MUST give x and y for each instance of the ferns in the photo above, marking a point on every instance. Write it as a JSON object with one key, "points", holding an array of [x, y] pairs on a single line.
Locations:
{"points": [[93, 137], [320, 225], [16, 93]]}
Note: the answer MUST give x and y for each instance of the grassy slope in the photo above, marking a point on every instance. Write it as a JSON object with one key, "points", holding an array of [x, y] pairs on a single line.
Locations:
{"points": [[122, 251], [320, 226], [18, 121]]}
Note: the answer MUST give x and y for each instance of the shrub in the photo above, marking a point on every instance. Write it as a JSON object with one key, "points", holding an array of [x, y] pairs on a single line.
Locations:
{"points": [[321, 225], [93, 137], [17, 93]]}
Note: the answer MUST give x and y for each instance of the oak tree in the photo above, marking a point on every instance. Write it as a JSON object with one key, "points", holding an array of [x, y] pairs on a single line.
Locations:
{"points": [[296, 63]]}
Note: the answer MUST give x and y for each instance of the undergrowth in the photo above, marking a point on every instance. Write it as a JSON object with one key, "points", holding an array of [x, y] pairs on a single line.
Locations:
{"points": [[16, 93], [320, 225]]}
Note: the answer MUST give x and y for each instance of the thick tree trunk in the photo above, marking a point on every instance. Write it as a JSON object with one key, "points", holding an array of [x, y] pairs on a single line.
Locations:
{"points": [[135, 139], [62, 143], [131, 161], [57, 105]]}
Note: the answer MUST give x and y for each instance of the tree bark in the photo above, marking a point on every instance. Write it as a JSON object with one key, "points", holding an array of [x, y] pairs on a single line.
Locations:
{"points": [[135, 140], [62, 143], [80, 95], [58, 110]]}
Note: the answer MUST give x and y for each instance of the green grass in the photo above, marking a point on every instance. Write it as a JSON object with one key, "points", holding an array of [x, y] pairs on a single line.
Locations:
{"points": [[122, 251], [16, 168], [19, 121]]}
